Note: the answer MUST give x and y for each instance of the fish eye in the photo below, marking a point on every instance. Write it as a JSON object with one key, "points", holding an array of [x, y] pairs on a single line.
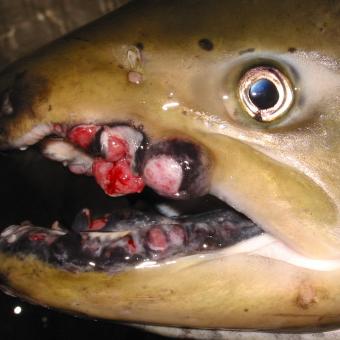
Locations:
{"points": [[265, 93]]}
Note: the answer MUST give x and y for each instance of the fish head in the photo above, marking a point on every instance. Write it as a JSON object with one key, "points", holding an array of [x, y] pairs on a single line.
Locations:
{"points": [[187, 76]]}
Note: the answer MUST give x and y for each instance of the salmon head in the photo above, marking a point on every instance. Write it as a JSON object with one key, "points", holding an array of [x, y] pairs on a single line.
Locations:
{"points": [[236, 99]]}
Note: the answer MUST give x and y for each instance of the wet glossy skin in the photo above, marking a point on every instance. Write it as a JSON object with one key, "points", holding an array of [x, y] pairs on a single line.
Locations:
{"points": [[283, 175]]}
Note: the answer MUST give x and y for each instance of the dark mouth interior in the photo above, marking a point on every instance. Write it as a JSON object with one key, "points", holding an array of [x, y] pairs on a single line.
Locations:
{"points": [[41, 191]]}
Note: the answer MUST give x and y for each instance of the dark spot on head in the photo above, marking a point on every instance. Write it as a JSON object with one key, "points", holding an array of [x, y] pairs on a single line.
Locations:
{"points": [[206, 44], [248, 50], [28, 90], [140, 46], [50, 107], [292, 49], [246, 310]]}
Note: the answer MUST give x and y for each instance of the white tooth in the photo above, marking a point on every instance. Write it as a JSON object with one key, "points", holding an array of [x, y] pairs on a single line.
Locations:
{"points": [[56, 226], [167, 210], [12, 233], [8, 231], [12, 238], [61, 151], [108, 236]]}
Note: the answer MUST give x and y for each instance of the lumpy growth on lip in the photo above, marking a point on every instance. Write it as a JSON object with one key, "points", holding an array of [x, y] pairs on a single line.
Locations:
{"points": [[163, 174], [116, 178], [177, 168], [83, 135], [113, 165], [125, 239], [123, 160]]}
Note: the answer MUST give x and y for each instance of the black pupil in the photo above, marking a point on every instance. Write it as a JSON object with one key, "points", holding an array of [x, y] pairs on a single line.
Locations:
{"points": [[263, 93]]}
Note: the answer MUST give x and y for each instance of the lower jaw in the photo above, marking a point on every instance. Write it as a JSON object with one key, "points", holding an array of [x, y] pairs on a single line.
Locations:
{"points": [[82, 292], [221, 290]]}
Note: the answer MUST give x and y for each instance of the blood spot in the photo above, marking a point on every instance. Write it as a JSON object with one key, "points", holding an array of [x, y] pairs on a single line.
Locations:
{"points": [[116, 178], [83, 135], [117, 147], [37, 237], [131, 245], [98, 223]]}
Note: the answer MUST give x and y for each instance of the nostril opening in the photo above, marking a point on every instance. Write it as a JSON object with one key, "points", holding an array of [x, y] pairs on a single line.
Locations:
{"points": [[6, 107]]}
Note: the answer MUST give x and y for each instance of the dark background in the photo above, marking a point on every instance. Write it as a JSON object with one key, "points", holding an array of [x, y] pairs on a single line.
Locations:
{"points": [[24, 26]]}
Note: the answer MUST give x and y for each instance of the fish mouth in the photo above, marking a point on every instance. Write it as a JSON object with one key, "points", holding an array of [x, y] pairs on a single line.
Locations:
{"points": [[121, 227], [101, 230]]}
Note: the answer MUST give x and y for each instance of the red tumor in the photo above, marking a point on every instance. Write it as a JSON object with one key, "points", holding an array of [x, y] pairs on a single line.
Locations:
{"points": [[83, 135], [116, 178]]}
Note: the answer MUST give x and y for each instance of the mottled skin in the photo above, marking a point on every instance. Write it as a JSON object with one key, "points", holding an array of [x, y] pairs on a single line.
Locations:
{"points": [[284, 175]]}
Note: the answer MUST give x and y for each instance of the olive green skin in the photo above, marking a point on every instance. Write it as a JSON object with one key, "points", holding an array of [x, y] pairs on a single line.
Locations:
{"points": [[284, 175]]}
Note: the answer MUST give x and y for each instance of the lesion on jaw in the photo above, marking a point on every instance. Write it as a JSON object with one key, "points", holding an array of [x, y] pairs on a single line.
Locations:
{"points": [[122, 158]]}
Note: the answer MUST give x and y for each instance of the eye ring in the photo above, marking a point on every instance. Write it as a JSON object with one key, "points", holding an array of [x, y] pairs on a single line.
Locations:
{"points": [[270, 76]]}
